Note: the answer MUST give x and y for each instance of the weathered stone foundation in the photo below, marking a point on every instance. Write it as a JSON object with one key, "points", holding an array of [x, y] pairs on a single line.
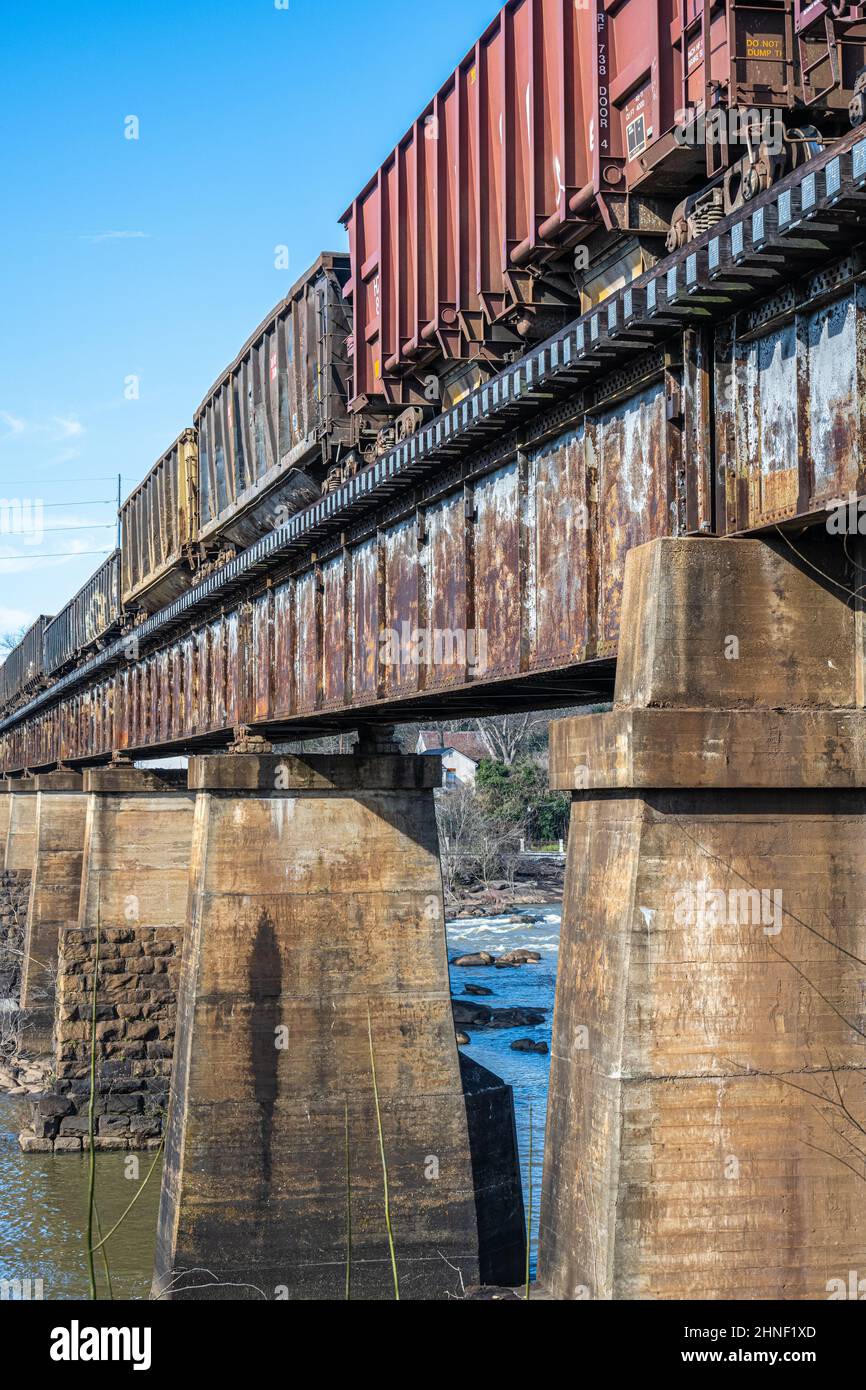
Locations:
{"points": [[316, 953], [133, 910], [14, 896], [710, 985]]}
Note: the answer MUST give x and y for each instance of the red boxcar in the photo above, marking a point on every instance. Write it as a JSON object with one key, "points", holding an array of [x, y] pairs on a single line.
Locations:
{"points": [[570, 122]]}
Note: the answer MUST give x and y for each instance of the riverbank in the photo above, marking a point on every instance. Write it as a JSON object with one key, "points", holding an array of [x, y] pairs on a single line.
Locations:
{"points": [[21, 1077], [539, 882]]}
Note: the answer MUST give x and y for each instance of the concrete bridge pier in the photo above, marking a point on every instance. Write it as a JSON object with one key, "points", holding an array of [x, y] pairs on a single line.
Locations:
{"points": [[315, 978], [21, 828], [132, 911], [18, 844], [6, 785], [708, 1058], [55, 890]]}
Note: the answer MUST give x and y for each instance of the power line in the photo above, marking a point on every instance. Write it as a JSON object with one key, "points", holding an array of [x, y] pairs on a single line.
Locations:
{"points": [[55, 555], [59, 482], [94, 502], [96, 526], [91, 502]]}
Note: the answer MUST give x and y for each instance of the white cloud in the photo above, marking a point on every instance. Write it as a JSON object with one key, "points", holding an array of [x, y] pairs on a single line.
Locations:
{"points": [[57, 430], [13, 423], [115, 236], [70, 428], [11, 619]]}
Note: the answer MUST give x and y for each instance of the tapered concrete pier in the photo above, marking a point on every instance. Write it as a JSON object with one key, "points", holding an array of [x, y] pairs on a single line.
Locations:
{"points": [[315, 980], [55, 890], [707, 1036]]}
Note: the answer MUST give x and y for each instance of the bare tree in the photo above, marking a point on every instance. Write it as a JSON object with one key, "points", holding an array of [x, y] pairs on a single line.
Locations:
{"points": [[474, 847], [9, 640], [457, 819], [509, 735]]}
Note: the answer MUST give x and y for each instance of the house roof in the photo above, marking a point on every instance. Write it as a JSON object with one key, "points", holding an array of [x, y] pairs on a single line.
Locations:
{"points": [[469, 744]]}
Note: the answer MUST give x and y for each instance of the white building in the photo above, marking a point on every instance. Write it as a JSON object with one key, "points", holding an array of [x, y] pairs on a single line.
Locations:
{"points": [[460, 754]]}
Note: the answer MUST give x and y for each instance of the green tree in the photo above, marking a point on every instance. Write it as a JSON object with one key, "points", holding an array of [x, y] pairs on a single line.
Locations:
{"points": [[519, 796]]}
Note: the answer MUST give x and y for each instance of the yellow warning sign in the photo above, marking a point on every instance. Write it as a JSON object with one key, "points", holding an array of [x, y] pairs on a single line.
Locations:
{"points": [[769, 47]]}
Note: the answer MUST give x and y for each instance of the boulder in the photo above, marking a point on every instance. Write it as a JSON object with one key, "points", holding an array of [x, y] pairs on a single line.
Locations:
{"points": [[518, 957], [527, 1045], [463, 1040], [516, 1018], [478, 990], [476, 1015], [467, 1014], [479, 959]]}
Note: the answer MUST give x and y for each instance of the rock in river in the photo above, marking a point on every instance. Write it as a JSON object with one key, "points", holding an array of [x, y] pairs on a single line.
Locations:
{"points": [[516, 958], [471, 1015]]}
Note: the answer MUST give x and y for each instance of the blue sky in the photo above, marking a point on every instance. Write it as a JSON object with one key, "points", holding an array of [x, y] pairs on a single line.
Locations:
{"points": [[154, 258]]}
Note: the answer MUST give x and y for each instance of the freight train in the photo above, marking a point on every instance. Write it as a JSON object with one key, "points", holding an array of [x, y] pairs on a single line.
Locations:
{"points": [[576, 143]]}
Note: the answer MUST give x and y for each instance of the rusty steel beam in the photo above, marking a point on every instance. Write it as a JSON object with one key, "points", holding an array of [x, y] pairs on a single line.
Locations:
{"points": [[721, 394]]}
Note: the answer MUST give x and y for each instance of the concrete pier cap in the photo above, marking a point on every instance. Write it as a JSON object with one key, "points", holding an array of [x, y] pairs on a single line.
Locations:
{"points": [[272, 773], [315, 1031], [713, 940]]}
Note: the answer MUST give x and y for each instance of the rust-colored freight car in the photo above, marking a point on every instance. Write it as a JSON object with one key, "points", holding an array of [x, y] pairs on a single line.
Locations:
{"points": [[23, 669], [278, 417], [93, 614], [159, 528], [577, 122]]}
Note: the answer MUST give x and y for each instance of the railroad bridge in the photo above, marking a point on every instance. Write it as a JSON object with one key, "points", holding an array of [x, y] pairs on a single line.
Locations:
{"points": [[643, 510]]}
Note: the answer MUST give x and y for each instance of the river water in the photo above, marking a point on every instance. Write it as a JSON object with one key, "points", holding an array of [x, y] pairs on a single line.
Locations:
{"points": [[43, 1213], [531, 986], [43, 1199]]}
